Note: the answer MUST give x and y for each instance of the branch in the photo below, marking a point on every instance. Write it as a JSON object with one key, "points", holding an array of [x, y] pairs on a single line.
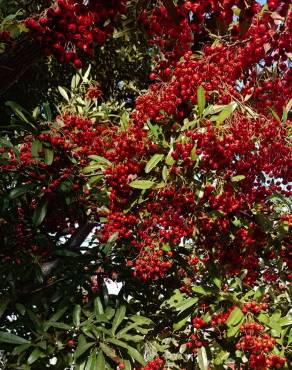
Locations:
{"points": [[17, 60]]}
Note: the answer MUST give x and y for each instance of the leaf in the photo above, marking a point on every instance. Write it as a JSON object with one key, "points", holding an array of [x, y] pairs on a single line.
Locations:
{"points": [[17, 192], [108, 351], [118, 318], [36, 148], [233, 330], [165, 173], [34, 356], [47, 111], [235, 317], [76, 315], [136, 355], [100, 159], [202, 358], [237, 178], [18, 110], [187, 303], [225, 113], [178, 325], [63, 92], [153, 161], [98, 309], [86, 74], [3, 305], [40, 213], [49, 156], [6, 337], [100, 364], [201, 99], [21, 348], [142, 184], [82, 347]]}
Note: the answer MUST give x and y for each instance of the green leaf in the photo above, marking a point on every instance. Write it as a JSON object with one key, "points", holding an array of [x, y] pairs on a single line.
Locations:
{"points": [[100, 364], [187, 303], [153, 161], [119, 317], [237, 178], [202, 358], [76, 315], [100, 159], [21, 348], [165, 173], [40, 213], [201, 99], [142, 184], [34, 356], [136, 355], [21, 190], [225, 113], [233, 330], [98, 309], [47, 111], [49, 156], [18, 110], [235, 317], [108, 351], [12, 338], [63, 92], [178, 325], [3, 305], [36, 147], [82, 347]]}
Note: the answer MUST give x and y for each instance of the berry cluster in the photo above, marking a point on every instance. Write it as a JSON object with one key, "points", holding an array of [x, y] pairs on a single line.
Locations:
{"points": [[156, 364], [254, 307], [69, 29]]}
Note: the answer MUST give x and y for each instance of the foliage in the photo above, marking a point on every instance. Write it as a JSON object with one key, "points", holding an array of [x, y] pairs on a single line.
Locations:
{"points": [[154, 236]]}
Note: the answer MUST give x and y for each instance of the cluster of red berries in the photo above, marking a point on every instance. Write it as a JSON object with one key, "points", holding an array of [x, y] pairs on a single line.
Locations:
{"points": [[254, 307], [198, 322], [156, 364], [258, 345], [69, 29]]}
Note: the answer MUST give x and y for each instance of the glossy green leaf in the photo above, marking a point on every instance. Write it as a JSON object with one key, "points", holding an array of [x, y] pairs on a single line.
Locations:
{"points": [[19, 191], [235, 317], [81, 348], [36, 147], [3, 305], [6, 337], [49, 156], [142, 184], [34, 356], [237, 178], [40, 213], [98, 308], [153, 161], [100, 159], [118, 318], [202, 359], [64, 93], [100, 363], [201, 99], [108, 351], [76, 315], [187, 303]]}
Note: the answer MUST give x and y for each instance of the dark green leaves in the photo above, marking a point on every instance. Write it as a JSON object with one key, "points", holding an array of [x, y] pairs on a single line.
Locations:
{"points": [[12, 338], [118, 318]]}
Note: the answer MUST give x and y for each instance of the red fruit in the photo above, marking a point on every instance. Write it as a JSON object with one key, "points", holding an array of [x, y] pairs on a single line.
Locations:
{"points": [[77, 63]]}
